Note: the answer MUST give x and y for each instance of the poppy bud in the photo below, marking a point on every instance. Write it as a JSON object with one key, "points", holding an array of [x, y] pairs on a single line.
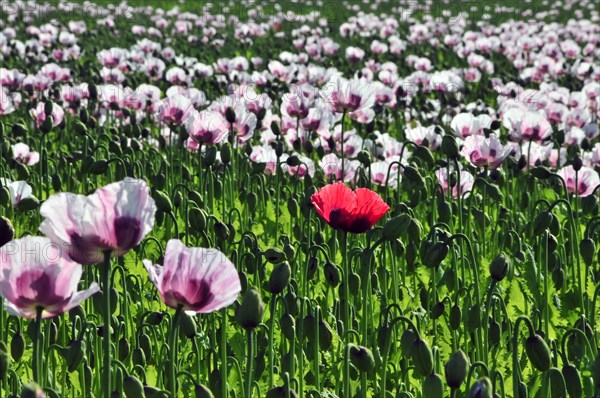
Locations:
{"points": [[197, 219], [226, 153], [132, 387], [450, 146], [396, 227], [587, 247], [281, 392], [221, 231], [293, 161], [558, 277], [75, 355], [18, 130], [435, 254], [210, 156], [201, 391], [280, 277], [80, 128], [274, 256], [7, 231], [249, 314], [29, 203], [455, 317], [413, 174], [364, 157], [538, 352], [499, 267], [414, 231], [406, 341], [4, 360], [362, 358], [163, 202], [159, 181], [541, 172], [275, 128], [573, 380], [32, 390], [288, 326], [558, 387], [589, 204], [22, 171], [187, 325], [138, 357], [422, 357], [1, 130], [17, 346], [152, 392], [332, 274], [577, 163], [542, 222], [422, 152], [154, 318], [325, 336], [230, 115], [494, 333], [433, 386], [4, 197], [456, 369], [123, 348], [437, 310], [47, 124], [481, 389]]}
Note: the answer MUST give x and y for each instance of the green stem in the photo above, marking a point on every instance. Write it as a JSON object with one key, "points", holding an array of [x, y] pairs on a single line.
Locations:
{"points": [[223, 348], [172, 350], [250, 361], [346, 302], [107, 321], [37, 367]]}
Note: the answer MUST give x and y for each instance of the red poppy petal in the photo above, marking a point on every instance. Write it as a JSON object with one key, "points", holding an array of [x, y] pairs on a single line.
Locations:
{"points": [[334, 197], [370, 208]]}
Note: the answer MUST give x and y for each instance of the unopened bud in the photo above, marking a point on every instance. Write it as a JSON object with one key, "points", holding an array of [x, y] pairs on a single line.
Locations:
{"points": [[456, 369], [538, 352], [249, 314]]}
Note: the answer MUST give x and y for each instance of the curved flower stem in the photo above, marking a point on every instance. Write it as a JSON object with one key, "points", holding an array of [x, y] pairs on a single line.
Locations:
{"points": [[515, 353], [107, 321], [223, 348], [342, 143], [37, 367], [172, 350], [272, 308]]}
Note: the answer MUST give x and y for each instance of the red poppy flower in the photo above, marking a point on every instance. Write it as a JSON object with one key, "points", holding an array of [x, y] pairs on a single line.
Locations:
{"points": [[347, 210]]}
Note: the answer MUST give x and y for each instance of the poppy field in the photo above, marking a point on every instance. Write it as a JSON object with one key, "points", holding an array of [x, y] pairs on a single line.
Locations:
{"points": [[319, 199]]}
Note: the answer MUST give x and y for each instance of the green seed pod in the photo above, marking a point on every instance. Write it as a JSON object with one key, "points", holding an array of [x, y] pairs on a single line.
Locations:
{"points": [[29, 203], [163, 202], [395, 227], [406, 342], [75, 354], [249, 314], [325, 336], [456, 369], [541, 223], [362, 358], [123, 348], [332, 274], [280, 278], [481, 389], [4, 360], [288, 326], [455, 317], [450, 146], [201, 391], [132, 387], [433, 386], [154, 318], [187, 324], [17, 347], [7, 231], [499, 267], [587, 247], [538, 352], [572, 380], [138, 357], [274, 256], [422, 358]]}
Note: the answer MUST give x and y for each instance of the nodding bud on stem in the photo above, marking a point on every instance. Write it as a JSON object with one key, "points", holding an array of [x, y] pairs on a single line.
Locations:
{"points": [[433, 386], [587, 247], [450, 146], [280, 277], [362, 358], [422, 357], [456, 369], [249, 314], [541, 172], [7, 231], [230, 115], [542, 221], [499, 267], [481, 389], [538, 352]]}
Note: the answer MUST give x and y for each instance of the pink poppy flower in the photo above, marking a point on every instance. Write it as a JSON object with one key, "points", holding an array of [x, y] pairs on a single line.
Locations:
{"points": [[196, 280], [485, 152], [207, 127], [35, 274], [349, 95], [18, 190], [22, 153], [39, 114], [465, 124], [587, 180], [115, 218], [466, 182], [175, 110]]}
